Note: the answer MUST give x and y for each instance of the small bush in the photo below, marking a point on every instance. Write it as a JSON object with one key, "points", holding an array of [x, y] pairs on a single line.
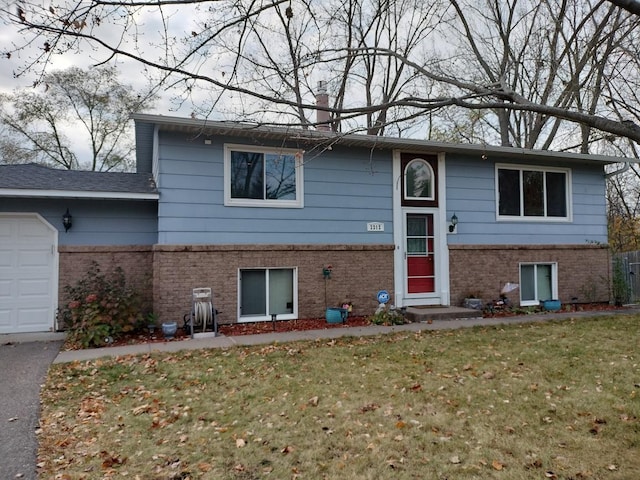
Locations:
{"points": [[100, 308], [620, 288], [388, 316]]}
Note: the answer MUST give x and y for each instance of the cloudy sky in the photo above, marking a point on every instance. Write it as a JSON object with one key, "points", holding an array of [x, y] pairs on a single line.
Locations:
{"points": [[12, 75]]}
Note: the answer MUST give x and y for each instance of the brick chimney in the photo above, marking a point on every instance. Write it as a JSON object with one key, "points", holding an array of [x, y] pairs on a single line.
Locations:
{"points": [[323, 117]]}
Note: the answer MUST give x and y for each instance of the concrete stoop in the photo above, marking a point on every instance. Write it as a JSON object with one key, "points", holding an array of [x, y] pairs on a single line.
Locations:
{"points": [[438, 312]]}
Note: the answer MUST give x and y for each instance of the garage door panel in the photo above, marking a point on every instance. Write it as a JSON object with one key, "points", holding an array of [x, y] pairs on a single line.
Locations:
{"points": [[34, 258], [6, 290], [33, 230], [33, 317], [6, 324], [7, 258], [34, 288]]}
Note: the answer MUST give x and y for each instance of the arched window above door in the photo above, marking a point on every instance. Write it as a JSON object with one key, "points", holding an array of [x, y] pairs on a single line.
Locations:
{"points": [[418, 180]]}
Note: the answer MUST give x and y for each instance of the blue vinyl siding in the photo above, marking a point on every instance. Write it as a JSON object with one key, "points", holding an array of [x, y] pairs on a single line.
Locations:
{"points": [[95, 222], [471, 195], [343, 190]]}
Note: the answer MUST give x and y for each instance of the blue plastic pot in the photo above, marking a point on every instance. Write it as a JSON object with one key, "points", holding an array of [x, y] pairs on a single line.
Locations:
{"points": [[169, 330], [336, 315], [551, 305]]}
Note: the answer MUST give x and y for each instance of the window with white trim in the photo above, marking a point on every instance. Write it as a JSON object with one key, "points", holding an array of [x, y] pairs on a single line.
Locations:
{"points": [[418, 180], [262, 177], [267, 291], [532, 192], [538, 282]]}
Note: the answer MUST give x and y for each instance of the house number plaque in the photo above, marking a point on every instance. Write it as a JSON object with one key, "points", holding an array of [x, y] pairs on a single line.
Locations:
{"points": [[375, 227]]}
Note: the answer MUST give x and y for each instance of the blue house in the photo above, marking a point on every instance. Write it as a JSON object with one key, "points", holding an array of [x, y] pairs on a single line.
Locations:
{"points": [[262, 214]]}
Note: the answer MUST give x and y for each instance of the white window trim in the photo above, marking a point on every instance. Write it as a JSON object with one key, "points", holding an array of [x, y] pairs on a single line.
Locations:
{"points": [[554, 283], [432, 177], [523, 218], [248, 202], [267, 317]]}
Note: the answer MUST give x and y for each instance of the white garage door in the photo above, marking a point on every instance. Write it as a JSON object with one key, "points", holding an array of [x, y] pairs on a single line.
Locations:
{"points": [[28, 273]]}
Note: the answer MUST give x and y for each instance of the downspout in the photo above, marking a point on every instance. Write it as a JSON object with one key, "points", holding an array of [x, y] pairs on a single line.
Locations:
{"points": [[627, 166]]}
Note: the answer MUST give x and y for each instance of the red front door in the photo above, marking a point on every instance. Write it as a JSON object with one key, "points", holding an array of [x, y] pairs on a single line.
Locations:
{"points": [[420, 266]]}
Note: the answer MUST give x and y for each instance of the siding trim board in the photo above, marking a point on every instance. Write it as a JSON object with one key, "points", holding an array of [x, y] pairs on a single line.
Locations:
{"points": [[17, 192]]}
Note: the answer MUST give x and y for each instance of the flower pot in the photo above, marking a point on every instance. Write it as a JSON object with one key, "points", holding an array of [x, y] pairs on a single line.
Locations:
{"points": [[551, 305], [336, 315], [475, 303], [169, 330]]}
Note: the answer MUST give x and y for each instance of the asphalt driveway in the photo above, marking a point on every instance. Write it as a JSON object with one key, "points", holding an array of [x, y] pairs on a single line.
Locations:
{"points": [[23, 367]]}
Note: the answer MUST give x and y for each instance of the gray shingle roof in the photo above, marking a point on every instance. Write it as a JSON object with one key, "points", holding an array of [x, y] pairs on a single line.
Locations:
{"points": [[38, 177]]}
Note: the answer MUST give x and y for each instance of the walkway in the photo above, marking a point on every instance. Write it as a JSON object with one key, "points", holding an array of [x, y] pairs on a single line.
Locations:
{"points": [[329, 333]]}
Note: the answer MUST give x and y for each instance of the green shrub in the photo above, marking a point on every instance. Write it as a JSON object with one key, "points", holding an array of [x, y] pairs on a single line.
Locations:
{"points": [[100, 308], [388, 316], [620, 288]]}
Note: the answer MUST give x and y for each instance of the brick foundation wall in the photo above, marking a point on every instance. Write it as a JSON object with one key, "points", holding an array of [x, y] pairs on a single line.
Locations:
{"points": [[583, 270], [359, 272], [136, 262]]}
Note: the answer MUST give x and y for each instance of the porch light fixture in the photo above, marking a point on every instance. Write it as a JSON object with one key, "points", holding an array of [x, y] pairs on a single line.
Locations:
{"points": [[67, 221], [454, 222]]}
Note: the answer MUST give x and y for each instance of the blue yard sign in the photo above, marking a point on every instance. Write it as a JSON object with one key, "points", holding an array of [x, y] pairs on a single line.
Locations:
{"points": [[383, 296]]}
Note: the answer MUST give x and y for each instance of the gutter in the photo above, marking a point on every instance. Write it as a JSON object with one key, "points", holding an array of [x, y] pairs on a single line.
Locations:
{"points": [[627, 166]]}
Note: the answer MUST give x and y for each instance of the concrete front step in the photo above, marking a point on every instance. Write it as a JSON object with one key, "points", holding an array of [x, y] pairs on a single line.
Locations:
{"points": [[439, 312]]}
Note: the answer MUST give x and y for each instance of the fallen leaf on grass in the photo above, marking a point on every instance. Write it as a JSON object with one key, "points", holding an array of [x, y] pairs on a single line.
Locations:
{"points": [[497, 465], [109, 461], [369, 408], [537, 463]]}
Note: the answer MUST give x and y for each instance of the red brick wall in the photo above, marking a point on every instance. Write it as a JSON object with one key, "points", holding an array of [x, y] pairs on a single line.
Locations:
{"points": [[583, 270], [136, 262], [166, 274], [359, 271]]}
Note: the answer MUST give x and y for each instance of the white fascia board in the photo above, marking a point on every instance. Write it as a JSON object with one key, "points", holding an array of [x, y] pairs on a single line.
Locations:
{"points": [[19, 192]]}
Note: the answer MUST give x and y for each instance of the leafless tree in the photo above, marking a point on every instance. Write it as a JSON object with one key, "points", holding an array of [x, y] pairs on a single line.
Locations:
{"points": [[547, 73], [72, 110]]}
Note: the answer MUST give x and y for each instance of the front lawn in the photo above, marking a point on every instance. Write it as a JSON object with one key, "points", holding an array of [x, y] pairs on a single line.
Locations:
{"points": [[551, 400]]}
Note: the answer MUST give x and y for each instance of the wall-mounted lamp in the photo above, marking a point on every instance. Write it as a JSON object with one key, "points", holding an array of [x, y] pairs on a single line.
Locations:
{"points": [[454, 222], [67, 221]]}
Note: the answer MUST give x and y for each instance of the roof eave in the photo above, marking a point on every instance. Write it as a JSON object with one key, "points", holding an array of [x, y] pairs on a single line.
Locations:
{"points": [[34, 193], [208, 127]]}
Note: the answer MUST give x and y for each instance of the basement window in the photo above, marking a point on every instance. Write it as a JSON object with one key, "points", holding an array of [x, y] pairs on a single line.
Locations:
{"points": [[265, 292], [538, 282]]}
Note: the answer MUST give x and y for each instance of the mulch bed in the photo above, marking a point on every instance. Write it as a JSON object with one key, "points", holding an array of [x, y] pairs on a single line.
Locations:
{"points": [[235, 329], [232, 330], [580, 307], [254, 328]]}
